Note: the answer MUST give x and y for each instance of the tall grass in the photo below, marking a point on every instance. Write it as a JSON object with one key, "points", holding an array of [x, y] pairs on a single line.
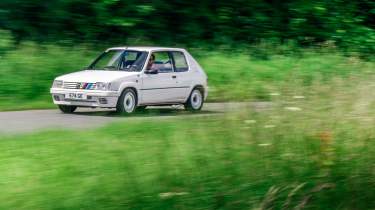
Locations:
{"points": [[309, 150], [27, 72]]}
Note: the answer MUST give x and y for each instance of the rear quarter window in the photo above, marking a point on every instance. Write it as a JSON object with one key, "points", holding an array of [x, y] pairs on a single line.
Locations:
{"points": [[180, 63]]}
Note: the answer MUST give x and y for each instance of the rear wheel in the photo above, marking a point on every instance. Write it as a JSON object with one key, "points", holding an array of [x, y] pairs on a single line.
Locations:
{"points": [[67, 109], [195, 101], [127, 102]]}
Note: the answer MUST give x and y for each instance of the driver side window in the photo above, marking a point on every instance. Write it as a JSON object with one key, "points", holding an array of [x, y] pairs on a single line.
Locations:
{"points": [[162, 63]]}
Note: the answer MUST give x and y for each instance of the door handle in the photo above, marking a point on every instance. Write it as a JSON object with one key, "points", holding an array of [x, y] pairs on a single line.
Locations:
{"points": [[174, 76]]}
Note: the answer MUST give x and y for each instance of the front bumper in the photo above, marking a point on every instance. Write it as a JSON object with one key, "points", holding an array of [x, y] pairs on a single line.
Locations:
{"points": [[105, 99]]}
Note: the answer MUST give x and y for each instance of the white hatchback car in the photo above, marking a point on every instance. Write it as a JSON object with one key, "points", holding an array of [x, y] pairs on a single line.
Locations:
{"points": [[130, 78]]}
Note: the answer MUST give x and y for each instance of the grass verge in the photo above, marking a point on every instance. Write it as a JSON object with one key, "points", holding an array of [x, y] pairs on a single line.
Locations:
{"points": [[310, 151]]}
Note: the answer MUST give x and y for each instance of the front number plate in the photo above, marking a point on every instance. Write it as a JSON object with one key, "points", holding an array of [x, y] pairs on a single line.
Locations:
{"points": [[76, 96]]}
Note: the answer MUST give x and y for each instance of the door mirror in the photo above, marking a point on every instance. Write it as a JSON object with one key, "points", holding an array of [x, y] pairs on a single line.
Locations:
{"points": [[151, 71]]}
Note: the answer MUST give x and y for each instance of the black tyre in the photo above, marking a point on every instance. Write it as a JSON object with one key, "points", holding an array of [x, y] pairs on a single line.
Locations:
{"points": [[67, 109], [127, 103], [195, 101]]}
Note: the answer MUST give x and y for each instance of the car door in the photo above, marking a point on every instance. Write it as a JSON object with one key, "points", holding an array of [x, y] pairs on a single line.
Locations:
{"points": [[160, 87], [183, 75]]}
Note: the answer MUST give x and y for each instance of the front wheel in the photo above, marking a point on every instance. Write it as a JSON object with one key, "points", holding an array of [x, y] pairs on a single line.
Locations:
{"points": [[67, 109], [127, 103], [195, 101]]}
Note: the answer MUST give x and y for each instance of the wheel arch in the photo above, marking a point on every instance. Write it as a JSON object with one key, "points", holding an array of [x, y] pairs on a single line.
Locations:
{"points": [[125, 87], [198, 86]]}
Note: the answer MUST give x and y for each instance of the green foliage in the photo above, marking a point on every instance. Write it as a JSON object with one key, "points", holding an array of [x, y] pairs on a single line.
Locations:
{"points": [[6, 41], [348, 24]]}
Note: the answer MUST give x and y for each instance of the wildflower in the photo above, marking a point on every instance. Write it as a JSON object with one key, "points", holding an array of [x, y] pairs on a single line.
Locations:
{"points": [[250, 121], [291, 108], [287, 154], [326, 152], [298, 97], [269, 126], [325, 136], [171, 194]]}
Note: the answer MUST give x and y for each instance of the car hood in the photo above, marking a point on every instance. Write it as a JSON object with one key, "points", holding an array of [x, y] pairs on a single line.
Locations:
{"points": [[95, 76]]}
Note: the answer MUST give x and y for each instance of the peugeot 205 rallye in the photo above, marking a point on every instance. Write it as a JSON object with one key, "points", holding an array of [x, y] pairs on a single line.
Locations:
{"points": [[131, 78]]}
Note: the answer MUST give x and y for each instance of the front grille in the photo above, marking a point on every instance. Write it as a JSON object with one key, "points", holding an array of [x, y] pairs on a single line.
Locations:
{"points": [[79, 85]]}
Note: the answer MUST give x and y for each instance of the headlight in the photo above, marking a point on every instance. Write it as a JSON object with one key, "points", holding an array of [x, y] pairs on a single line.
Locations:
{"points": [[57, 84], [103, 86]]}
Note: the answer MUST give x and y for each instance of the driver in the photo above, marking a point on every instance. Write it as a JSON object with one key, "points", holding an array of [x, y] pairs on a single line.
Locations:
{"points": [[150, 65]]}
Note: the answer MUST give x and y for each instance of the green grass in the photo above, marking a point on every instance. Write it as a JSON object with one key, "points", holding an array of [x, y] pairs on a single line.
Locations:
{"points": [[27, 72], [310, 152]]}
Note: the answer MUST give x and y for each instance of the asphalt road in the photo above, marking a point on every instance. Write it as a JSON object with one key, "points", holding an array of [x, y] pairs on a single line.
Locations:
{"points": [[18, 122]]}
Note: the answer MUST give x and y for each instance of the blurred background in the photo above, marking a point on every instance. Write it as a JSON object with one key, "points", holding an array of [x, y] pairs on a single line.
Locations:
{"points": [[305, 68], [42, 39], [346, 24]]}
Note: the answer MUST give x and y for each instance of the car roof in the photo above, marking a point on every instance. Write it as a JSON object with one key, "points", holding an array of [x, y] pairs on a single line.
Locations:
{"points": [[144, 48]]}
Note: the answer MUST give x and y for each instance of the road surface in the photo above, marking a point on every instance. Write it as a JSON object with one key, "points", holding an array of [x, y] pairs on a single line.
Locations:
{"points": [[18, 122]]}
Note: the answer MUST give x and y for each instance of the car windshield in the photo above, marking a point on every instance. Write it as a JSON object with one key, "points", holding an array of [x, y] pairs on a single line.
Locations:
{"points": [[120, 60]]}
